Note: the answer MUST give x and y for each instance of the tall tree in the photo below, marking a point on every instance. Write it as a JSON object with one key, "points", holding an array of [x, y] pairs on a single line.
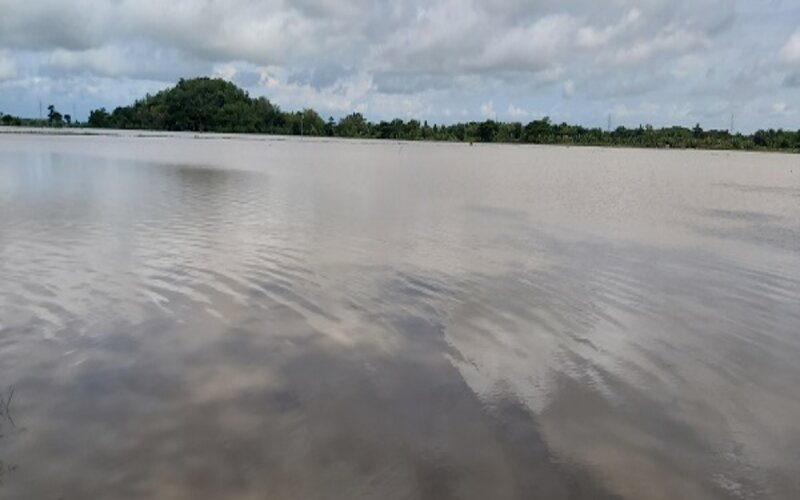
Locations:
{"points": [[54, 118]]}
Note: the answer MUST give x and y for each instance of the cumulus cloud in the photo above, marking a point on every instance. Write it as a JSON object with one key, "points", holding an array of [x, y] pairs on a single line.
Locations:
{"points": [[8, 67], [225, 71], [134, 60], [568, 89], [445, 36], [516, 113], [52, 24], [669, 41], [487, 110], [535, 49], [790, 52], [427, 56], [780, 108], [599, 36]]}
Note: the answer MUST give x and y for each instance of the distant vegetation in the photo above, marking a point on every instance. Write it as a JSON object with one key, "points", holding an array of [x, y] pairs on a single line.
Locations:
{"points": [[9, 120], [214, 105], [54, 119]]}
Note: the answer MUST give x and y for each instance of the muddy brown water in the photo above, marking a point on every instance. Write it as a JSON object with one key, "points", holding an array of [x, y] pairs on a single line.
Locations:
{"points": [[245, 317]]}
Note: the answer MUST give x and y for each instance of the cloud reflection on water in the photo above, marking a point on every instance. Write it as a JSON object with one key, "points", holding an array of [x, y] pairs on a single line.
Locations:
{"points": [[383, 330]]}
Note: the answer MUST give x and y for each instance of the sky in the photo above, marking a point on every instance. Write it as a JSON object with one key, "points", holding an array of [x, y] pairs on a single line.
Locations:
{"points": [[659, 62]]}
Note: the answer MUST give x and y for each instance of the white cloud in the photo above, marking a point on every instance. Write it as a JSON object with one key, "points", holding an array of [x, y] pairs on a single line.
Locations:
{"points": [[123, 61], [8, 67], [533, 48], [418, 56], [108, 60], [790, 52], [226, 71], [267, 78], [780, 108], [669, 41], [348, 94], [487, 110], [515, 112], [594, 37], [568, 89], [49, 24]]}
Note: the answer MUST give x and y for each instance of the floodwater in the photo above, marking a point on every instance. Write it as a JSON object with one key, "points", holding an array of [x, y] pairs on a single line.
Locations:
{"points": [[247, 318]]}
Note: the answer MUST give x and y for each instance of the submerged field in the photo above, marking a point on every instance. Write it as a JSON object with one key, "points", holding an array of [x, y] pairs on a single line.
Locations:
{"points": [[253, 317]]}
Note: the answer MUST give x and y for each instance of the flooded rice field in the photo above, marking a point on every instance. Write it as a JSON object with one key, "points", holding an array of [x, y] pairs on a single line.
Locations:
{"points": [[250, 318]]}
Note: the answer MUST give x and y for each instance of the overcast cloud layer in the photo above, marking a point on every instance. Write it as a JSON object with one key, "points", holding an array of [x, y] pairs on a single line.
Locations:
{"points": [[647, 61]]}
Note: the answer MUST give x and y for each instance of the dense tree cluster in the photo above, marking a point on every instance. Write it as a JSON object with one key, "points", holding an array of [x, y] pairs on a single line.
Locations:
{"points": [[54, 119], [543, 131], [214, 105], [208, 105], [10, 120]]}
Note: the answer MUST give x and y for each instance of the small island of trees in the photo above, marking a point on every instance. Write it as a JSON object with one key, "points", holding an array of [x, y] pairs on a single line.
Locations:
{"points": [[215, 105]]}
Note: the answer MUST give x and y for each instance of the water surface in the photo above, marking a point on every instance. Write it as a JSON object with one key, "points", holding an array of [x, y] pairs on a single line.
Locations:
{"points": [[249, 317]]}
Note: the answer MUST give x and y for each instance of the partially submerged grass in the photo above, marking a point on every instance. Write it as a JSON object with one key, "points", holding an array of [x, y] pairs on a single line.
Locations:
{"points": [[6, 418]]}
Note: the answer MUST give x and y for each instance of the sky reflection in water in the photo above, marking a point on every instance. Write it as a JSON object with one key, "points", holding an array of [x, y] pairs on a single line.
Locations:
{"points": [[217, 318]]}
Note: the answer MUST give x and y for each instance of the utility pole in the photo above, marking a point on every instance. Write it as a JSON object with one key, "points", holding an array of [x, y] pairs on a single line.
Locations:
{"points": [[302, 116], [40, 109], [731, 131], [609, 123]]}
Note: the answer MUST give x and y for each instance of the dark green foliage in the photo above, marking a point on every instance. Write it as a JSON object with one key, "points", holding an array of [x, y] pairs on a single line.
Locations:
{"points": [[487, 131], [353, 125], [213, 105], [10, 121], [99, 118], [200, 105], [54, 118]]}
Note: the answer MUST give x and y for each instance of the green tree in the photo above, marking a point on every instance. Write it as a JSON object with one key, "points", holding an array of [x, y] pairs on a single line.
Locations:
{"points": [[487, 131], [10, 120], [207, 104], [537, 131], [330, 127], [352, 125], [54, 118], [311, 123]]}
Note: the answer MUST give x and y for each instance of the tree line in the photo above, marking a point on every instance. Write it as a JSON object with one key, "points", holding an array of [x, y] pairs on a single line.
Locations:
{"points": [[215, 105], [54, 119]]}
